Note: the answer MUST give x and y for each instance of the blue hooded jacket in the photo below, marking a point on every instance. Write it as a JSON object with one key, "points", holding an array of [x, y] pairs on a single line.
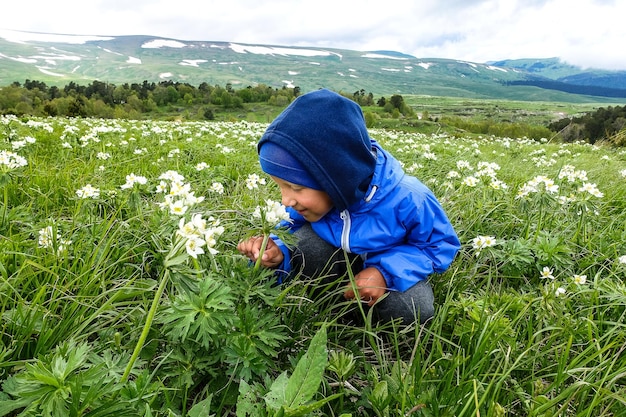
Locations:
{"points": [[389, 218]]}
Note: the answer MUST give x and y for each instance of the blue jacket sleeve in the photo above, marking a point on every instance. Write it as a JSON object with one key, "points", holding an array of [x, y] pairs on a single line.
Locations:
{"points": [[430, 245]]}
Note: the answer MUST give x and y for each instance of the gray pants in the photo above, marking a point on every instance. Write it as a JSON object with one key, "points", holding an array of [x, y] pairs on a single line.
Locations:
{"points": [[324, 264]]}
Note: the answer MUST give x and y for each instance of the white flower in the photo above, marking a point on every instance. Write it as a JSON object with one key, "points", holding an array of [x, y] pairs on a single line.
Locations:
{"points": [[18, 144], [162, 187], [274, 212], [559, 291], [47, 240], [201, 166], [622, 259], [178, 208], [591, 189], [217, 188], [470, 181], [132, 179], [253, 181], [193, 245], [45, 237], [11, 160], [186, 229], [481, 242], [88, 191], [179, 188], [498, 185], [172, 176], [546, 272], [580, 279], [463, 165]]}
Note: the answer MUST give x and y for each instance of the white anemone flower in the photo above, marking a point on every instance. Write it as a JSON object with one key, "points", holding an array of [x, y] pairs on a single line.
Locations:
{"points": [[546, 272], [178, 208], [194, 246], [88, 191]]}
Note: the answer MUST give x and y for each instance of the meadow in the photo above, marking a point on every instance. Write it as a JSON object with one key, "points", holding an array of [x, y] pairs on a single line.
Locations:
{"points": [[123, 293]]}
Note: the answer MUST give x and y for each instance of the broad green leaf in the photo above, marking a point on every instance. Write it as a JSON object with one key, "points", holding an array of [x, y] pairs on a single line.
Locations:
{"points": [[202, 408], [275, 398], [308, 408], [307, 376]]}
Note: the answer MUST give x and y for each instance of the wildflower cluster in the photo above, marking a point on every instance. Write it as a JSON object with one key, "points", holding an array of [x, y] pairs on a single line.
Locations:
{"points": [[19, 144], [199, 233], [253, 181], [178, 194], [486, 172], [481, 242], [272, 213], [10, 161], [49, 238], [132, 179], [88, 191], [536, 185]]}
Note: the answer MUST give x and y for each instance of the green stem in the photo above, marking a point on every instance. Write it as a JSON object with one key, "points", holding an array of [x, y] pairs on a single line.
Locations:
{"points": [[266, 238], [6, 203], [146, 326]]}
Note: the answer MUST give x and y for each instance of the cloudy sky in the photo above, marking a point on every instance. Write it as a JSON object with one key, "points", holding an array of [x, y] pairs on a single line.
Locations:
{"points": [[588, 33]]}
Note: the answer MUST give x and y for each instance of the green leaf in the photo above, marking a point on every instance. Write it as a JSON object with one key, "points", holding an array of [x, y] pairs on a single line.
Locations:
{"points": [[8, 406], [202, 408], [307, 409], [247, 401], [307, 376], [275, 398]]}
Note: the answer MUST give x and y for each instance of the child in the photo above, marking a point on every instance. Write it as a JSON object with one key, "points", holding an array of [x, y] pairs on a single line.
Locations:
{"points": [[344, 192]]}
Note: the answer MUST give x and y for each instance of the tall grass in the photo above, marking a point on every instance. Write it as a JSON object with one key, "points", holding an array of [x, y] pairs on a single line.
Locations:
{"points": [[529, 322]]}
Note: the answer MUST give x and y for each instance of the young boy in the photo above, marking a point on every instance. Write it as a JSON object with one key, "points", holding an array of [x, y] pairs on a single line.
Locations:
{"points": [[344, 192]]}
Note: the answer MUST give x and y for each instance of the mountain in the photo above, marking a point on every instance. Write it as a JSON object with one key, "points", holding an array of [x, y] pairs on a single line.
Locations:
{"points": [[59, 59]]}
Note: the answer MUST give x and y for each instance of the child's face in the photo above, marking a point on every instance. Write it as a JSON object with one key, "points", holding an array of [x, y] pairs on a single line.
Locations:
{"points": [[309, 203]]}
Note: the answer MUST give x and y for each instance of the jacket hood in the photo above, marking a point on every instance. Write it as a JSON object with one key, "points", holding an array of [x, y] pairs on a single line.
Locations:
{"points": [[326, 133]]}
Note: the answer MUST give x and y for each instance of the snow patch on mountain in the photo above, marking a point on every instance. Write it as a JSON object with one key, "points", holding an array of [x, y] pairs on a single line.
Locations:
{"points": [[378, 56], [163, 43], [270, 50], [192, 62]]}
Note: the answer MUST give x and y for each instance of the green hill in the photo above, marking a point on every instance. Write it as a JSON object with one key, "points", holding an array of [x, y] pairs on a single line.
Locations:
{"points": [[58, 60]]}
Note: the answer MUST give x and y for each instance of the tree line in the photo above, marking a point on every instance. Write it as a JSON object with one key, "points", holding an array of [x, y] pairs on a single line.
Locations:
{"points": [[132, 100], [156, 100], [604, 123]]}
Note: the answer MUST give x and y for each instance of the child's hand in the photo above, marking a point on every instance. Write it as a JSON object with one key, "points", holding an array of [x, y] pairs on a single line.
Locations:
{"points": [[272, 256], [371, 285]]}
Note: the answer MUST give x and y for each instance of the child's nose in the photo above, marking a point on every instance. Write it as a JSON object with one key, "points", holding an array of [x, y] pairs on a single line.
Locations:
{"points": [[287, 200]]}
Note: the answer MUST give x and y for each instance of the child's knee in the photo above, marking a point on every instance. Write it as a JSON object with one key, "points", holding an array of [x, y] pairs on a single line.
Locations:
{"points": [[414, 305]]}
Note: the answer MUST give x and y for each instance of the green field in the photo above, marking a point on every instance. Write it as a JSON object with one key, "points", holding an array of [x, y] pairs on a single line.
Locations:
{"points": [[123, 293]]}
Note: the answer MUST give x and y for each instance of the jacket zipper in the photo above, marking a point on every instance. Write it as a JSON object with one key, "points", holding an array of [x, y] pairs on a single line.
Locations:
{"points": [[345, 232]]}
